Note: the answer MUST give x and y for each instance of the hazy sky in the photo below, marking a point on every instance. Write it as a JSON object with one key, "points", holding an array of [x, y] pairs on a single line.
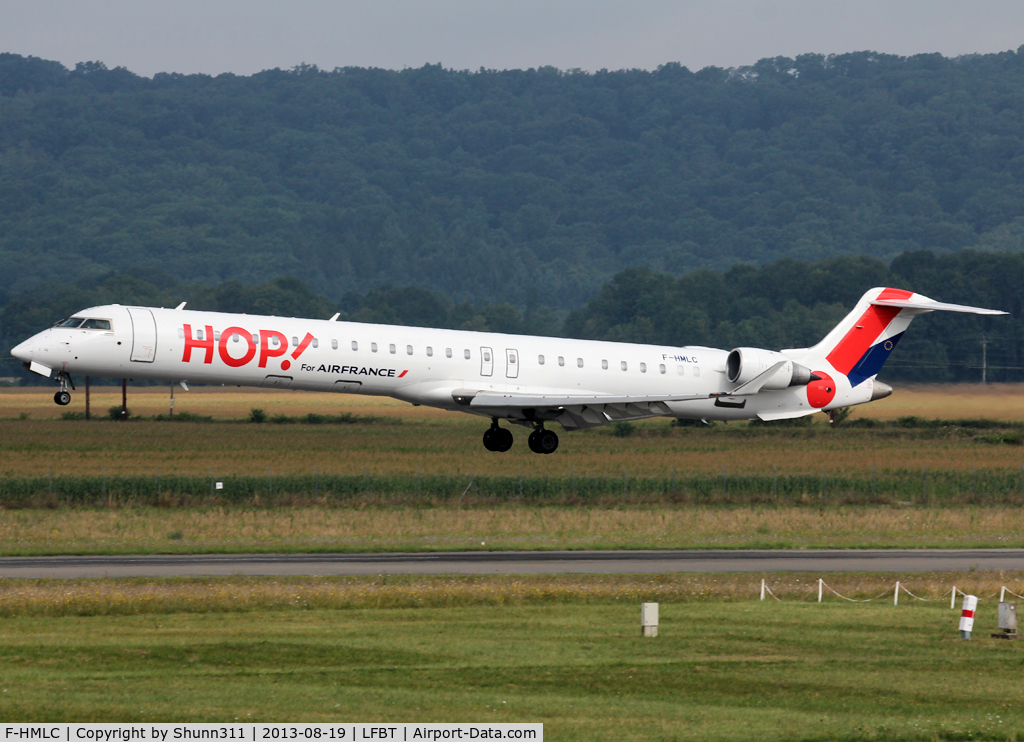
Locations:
{"points": [[214, 36]]}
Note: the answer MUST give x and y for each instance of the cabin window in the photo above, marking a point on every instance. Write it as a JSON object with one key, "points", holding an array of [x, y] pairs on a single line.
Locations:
{"points": [[408, 349], [373, 347], [643, 368], [430, 352], [579, 363], [334, 345], [216, 335], [604, 363], [355, 345], [662, 368], [295, 341], [255, 339], [392, 348], [316, 343], [696, 370], [540, 360], [466, 353], [274, 341], [447, 352], [679, 370], [181, 332], [234, 337], [199, 334], [487, 356], [96, 324], [623, 365], [561, 361]]}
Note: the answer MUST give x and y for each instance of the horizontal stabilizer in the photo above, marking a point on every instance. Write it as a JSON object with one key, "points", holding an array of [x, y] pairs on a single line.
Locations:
{"points": [[927, 305]]}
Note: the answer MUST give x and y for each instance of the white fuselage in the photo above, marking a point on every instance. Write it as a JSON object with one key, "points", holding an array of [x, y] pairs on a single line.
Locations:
{"points": [[418, 365]]}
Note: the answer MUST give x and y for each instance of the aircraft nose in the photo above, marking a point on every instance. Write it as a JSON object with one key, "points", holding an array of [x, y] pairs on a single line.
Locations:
{"points": [[23, 351]]}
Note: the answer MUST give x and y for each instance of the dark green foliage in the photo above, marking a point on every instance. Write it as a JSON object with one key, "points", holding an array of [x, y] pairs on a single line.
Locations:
{"points": [[908, 486], [117, 413], [256, 415], [623, 430], [491, 185]]}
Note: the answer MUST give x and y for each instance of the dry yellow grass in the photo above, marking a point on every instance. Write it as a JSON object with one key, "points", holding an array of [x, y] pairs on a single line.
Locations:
{"points": [[153, 529], [83, 597], [431, 441]]}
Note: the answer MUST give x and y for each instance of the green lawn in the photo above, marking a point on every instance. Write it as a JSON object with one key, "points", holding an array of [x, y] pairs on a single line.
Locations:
{"points": [[719, 670]]}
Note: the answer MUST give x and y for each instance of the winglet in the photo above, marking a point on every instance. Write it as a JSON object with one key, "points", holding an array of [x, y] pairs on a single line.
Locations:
{"points": [[180, 306], [335, 317]]}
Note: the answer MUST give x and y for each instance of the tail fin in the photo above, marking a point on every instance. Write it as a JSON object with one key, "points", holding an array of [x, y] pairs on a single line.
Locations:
{"points": [[859, 345]]}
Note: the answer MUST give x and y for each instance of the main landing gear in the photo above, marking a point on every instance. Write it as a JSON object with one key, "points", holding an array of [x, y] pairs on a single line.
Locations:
{"points": [[63, 397], [497, 439]]}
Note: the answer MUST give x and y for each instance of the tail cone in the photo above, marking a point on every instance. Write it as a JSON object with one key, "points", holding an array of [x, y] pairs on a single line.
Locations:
{"points": [[880, 391]]}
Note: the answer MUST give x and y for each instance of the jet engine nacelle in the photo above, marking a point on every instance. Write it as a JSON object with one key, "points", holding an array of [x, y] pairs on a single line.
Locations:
{"points": [[746, 364]]}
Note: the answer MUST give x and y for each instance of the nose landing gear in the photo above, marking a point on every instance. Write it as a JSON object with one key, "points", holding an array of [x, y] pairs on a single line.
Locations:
{"points": [[543, 441], [497, 438], [63, 397]]}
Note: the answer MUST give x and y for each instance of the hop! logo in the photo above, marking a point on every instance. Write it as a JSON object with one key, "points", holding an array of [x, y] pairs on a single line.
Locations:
{"points": [[272, 344]]}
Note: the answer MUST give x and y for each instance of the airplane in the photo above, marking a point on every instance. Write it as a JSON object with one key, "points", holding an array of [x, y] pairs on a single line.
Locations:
{"points": [[524, 380]]}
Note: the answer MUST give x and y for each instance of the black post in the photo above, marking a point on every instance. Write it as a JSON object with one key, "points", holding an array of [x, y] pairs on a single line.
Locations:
{"points": [[124, 399], [87, 398]]}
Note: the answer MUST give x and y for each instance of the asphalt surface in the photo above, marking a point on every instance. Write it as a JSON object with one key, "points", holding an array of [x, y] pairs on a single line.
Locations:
{"points": [[506, 562]]}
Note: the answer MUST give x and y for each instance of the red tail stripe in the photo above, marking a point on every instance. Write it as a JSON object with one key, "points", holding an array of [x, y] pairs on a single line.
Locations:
{"points": [[895, 294], [861, 336]]}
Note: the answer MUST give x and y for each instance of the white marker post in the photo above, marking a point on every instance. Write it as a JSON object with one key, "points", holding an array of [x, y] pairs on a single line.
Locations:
{"points": [[967, 616], [648, 619]]}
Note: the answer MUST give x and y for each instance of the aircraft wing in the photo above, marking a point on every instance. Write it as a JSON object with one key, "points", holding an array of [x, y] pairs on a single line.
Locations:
{"points": [[574, 411]]}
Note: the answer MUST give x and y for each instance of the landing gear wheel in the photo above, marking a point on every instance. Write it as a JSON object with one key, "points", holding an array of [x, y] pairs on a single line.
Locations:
{"points": [[543, 441], [497, 439], [503, 439], [63, 398]]}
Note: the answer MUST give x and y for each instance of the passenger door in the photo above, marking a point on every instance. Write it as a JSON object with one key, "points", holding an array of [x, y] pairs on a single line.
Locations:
{"points": [[143, 335], [486, 362]]}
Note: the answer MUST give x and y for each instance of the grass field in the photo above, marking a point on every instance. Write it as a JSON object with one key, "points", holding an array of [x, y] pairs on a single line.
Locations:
{"points": [[399, 478], [570, 656]]}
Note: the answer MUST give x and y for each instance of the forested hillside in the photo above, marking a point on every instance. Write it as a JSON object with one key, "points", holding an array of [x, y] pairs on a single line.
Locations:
{"points": [[787, 303], [499, 186]]}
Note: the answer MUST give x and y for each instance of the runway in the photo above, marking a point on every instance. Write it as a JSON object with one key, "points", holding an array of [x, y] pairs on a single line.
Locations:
{"points": [[521, 562]]}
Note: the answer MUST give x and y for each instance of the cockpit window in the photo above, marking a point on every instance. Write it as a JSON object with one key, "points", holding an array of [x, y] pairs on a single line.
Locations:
{"points": [[69, 322], [96, 324]]}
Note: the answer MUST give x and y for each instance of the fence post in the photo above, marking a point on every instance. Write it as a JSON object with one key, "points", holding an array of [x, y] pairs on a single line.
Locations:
{"points": [[762, 588], [896, 594], [952, 598], [820, 583], [1002, 594]]}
